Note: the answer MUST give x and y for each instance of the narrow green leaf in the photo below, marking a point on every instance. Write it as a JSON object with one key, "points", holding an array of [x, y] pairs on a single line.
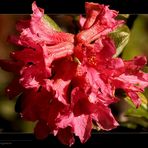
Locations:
{"points": [[137, 113], [146, 93], [145, 69], [129, 125], [122, 16], [135, 121], [142, 111], [77, 60], [144, 100]]}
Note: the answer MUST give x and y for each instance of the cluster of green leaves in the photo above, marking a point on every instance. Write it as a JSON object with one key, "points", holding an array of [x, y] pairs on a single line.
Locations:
{"points": [[137, 116]]}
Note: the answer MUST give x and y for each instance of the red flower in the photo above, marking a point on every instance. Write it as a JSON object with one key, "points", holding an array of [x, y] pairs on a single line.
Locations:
{"points": [[132, 80], [99, 21], [38, 31], [66, 81]]}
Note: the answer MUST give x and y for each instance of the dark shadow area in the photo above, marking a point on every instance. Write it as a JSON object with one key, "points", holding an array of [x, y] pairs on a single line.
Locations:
{"points": [[72, 6]]}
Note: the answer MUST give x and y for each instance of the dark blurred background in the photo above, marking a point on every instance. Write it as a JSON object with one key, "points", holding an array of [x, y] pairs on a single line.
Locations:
{"points": [[72, 6]]}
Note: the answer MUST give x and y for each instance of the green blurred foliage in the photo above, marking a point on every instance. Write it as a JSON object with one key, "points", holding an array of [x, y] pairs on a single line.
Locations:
{"points": [[138, 43], [9, 119], [137, 116]]}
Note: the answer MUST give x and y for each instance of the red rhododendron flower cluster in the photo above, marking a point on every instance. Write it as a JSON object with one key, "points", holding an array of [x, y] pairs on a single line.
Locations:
{"points": [[67, 81]]}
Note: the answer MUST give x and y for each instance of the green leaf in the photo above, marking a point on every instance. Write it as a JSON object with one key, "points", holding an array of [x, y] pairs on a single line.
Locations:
{"points": [[77, 60], [146, 93], [129, 125], [133, 122], [145, 69], [50, 22], [136, 116], [144, 100], [121, 38], [123, 16], [137, 113], [142, 111]]}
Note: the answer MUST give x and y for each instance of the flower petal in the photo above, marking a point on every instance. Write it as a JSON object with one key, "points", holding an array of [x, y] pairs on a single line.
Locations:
{"points": [[41, 130], [104, 118], [66, 136]]}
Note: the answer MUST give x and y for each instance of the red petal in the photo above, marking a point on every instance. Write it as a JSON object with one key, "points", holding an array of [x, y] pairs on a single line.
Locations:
{"points": [[41, 130], [81, 21], [82, 127], [66, 136], [135, 98], [11, 66], [134, 65], [81, 104], [104, 118], [100, 22], [36, 104]]}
